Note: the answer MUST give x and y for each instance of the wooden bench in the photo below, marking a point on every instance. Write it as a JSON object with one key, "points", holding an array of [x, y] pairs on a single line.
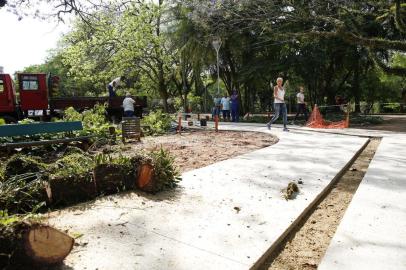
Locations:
{"points": [[41, 128], [131, 128]]}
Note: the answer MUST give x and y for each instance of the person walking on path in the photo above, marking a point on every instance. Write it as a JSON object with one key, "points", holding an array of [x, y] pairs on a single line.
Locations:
{"points": [[128, 105], [112, 86], [225, 105], [235, 116], [279, 105], [301, 104], [217, 107]]}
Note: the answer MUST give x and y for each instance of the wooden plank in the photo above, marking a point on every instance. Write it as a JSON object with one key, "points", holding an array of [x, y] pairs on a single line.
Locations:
{"points": [[44, 142], [39, 128]]}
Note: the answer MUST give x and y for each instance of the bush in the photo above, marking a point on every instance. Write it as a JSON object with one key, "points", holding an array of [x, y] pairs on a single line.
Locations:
{"points": [[391, 108], [94, 120], [365, 120], [166, 175], [2, 121], [158, 123]]}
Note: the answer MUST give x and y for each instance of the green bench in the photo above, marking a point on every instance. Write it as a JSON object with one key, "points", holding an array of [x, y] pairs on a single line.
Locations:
{"points": [[41, 128]]}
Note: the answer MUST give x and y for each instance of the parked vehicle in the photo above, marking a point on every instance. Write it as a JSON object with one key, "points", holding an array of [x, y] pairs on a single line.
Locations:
{"points": [[35, 93]]}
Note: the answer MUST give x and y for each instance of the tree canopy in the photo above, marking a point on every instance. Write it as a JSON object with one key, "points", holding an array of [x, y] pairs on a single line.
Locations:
{"points": [[351, 48]]}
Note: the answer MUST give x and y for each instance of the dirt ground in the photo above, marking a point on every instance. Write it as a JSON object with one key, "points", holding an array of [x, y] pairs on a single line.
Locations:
{"points": [[305, 247], [395, 123], [195, 149]]}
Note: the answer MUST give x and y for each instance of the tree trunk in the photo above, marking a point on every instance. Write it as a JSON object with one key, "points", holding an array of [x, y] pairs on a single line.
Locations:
{"points": [[163, 92], [355, 87]]}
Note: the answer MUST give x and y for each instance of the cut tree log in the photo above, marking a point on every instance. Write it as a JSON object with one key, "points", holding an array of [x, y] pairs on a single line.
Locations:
{"points": [[47, 245], [146, 178], [27, 246], [112, 178], [71, 190]]}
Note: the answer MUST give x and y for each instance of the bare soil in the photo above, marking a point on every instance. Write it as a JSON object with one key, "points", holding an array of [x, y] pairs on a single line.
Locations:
{"points": [[396, 123], [304, 248], [194, 149]]}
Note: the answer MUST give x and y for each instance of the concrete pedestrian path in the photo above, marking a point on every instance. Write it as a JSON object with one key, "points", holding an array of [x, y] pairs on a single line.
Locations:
{"points": [[372, 233], [223, 216]]}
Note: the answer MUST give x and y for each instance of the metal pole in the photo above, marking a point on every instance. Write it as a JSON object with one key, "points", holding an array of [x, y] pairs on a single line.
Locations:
{"points": [[217, 44], [205, 98], [218, 73]]}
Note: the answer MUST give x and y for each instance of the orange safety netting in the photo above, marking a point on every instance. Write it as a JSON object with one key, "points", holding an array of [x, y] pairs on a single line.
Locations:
{"points": [[316, 121]]}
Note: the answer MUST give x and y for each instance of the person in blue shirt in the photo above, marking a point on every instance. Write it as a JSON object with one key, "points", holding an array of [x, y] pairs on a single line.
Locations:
{"points": [[234, 107], [225, 107]]}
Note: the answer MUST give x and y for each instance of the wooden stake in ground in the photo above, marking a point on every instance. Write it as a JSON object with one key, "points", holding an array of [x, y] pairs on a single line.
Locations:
{"points": [[180, 124]]}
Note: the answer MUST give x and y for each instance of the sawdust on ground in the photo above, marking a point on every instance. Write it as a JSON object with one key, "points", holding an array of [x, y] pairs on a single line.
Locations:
{"points": [[194, 149], [305, 247]]}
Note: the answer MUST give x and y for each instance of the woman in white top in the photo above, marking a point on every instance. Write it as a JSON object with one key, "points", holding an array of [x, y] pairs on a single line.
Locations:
{"points": [[279, 104]]}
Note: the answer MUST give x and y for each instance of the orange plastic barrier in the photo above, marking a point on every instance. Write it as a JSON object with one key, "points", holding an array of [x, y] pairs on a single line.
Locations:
{"points": [[316, 121]]}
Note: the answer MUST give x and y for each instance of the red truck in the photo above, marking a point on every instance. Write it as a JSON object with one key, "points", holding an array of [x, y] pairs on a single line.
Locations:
{"points": [[35, 94]]}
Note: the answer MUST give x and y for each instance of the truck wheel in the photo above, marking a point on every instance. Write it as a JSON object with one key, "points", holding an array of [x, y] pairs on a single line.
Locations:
{"points": [[9, 119]]}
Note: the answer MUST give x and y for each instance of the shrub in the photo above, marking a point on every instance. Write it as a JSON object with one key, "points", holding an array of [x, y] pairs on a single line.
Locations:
{"points": [[158, 123], [94, 120], [166, 175]]}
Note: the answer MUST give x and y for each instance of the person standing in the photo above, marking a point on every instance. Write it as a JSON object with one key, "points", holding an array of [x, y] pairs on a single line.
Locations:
{"points": [[128, 105], [217, 107], [301, 104], [235, 116], [279, 104], [225, 106], [112, 86]]}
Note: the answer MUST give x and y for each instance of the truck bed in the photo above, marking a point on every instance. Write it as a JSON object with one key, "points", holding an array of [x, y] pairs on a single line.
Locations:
{"points": [[81, 103]]}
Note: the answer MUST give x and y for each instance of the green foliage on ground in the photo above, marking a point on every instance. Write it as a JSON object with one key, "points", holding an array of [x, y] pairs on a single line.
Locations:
{"points": [[75, 165], [22, 193], [355, 119], [166, 175], [158, 123], [21, 164], [2, 121], [94, 120], [102, 158]]}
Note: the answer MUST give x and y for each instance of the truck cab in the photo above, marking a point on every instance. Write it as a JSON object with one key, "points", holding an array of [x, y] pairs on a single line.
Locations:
{"points": [[33, 96], [9, 109], [33, 91]]}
